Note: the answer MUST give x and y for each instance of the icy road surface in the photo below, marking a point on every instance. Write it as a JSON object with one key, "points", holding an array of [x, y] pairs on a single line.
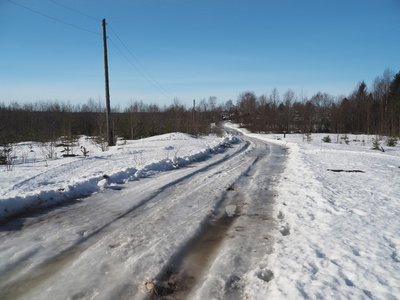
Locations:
{"points": [[192, 232]]}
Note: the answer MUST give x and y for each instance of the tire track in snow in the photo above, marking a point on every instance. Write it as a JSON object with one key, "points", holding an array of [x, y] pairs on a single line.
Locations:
{"points": [[186, 267], [182, 270]]}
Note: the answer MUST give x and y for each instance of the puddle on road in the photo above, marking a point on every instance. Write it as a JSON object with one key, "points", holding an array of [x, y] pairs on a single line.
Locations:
{"points": [[187, 266]]}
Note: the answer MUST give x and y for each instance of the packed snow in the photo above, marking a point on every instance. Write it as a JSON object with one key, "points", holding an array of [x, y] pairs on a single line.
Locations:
{"points": [[334, 235]]}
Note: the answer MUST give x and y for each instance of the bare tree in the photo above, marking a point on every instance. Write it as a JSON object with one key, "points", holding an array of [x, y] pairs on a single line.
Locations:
{"points": [[288, 98], [247, 108]]}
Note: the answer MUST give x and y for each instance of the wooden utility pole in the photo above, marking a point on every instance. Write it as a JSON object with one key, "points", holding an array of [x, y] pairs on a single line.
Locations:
{"points": [[194, 117], [108, 109]]}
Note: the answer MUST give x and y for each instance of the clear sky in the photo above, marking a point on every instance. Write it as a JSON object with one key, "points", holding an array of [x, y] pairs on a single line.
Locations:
{"points": [[162, 49]]}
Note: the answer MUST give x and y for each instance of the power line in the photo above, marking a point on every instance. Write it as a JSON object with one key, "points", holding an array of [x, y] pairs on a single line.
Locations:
{"points": [[137, 69], [76, 11], [55, 19], [165, 92], [154, 82]]}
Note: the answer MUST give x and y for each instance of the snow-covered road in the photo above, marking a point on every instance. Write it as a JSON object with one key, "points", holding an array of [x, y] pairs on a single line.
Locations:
{"points": [[192, 232]]}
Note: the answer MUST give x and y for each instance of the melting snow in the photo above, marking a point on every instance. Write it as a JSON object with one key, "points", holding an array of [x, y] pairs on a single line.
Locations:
{"points": [[336, 233]]}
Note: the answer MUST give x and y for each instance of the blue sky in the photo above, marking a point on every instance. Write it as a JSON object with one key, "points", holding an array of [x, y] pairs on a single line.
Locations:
{"points": [[193, 49]]}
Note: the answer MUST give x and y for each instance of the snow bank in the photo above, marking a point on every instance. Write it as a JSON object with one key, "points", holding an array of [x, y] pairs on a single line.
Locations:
{"points": [[36, 182], [338, 232]]}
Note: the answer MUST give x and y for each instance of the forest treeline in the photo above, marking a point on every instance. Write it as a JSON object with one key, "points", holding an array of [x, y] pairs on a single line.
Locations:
{"points": [[45, 121], [373, 110], [370, 110]]}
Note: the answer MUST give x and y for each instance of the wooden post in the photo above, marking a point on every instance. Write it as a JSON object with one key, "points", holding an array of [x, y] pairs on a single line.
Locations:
{"points": [[108, 109]]}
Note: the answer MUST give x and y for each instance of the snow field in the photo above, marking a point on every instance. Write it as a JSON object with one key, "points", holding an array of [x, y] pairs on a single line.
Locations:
{"points": [[338, 232]]}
